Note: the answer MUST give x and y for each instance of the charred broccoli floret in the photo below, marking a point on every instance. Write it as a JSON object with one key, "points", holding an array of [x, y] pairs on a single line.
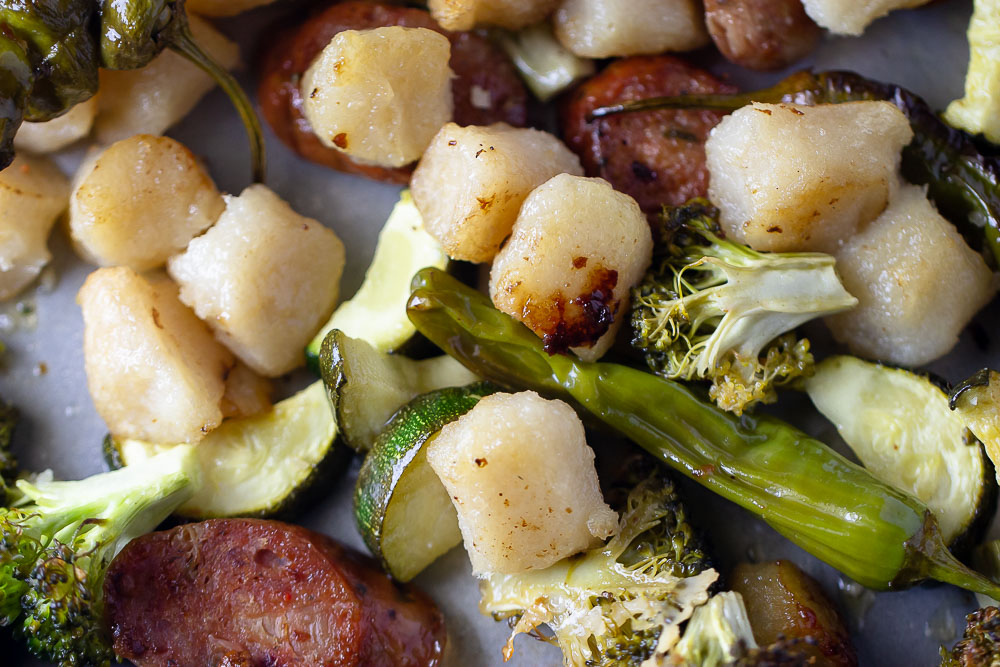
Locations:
{"points": [[980, 644], [619, 604], [56, 545], [716, 310]]}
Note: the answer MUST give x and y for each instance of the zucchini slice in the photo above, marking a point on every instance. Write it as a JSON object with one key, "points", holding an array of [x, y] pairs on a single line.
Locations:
{"points": [[401, 507], [259, 466], [377, 313], [977, 401], [900, 427], [366, 386]]}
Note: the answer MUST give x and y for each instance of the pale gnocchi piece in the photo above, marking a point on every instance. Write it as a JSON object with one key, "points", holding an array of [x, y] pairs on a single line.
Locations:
{"points": [[33, 193], [794, 178], [223, 7], [53, 135], [576, 250], [851, 17], [264, 278], [522, 479], [380, 95], [247, 394], [139, 202], [153, 98], [607, 28], [917, 283], [471, 182], [154, 370], [511, 14]]}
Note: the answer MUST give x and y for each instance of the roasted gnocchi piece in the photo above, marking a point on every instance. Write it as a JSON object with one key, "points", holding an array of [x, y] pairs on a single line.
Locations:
{"points": [[850, 17], [792, 178], [154, 370], [606, 28], [903, 268], [467, 14], [264, 278], [139, 202], [58, 133], [151, 99], [471, 182], [380, 95], [576, 250], [247, 394], [522, 478]]}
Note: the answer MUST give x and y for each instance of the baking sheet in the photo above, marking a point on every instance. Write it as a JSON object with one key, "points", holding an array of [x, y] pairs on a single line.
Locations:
{"points": [[42, 371]]}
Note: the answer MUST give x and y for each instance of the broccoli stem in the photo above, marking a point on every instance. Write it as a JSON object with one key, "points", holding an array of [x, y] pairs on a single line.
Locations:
{"points": [[878, 535]]}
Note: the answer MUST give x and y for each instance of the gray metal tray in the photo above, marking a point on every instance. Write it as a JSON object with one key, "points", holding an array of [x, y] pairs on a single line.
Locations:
{"points": [[924, 50]]}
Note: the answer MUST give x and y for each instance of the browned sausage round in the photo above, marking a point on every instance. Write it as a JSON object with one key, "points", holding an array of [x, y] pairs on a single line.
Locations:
{"points": [[658, 157], [255, 593], [761, 34], [486, 88]]}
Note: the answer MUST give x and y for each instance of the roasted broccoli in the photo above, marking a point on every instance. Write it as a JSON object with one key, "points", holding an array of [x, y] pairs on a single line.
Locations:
{"points": [[980, 645], [716, 310], [56, 545], [718, 633], [618, 604]]}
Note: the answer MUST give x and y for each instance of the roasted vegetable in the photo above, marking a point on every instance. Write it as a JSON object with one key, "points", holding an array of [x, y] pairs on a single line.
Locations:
{"points": [[979, 111], [980, 643], [977, 401], [963, 182], [718, 633], [618, 604], [56, 547], [899, 426], [54, 48], [834, 509], [546, 66], [8, 462], [714, 309]]}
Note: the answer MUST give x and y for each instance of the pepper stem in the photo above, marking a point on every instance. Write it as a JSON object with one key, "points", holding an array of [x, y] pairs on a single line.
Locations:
{"points": [[183, 43], [948, 569]]}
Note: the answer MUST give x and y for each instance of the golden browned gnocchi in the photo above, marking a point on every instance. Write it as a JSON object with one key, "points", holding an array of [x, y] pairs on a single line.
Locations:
{"points": [[58, 133], [264, 278], [606, 28], [467, 14], [380, 95], [471, 182], [576, 250], [139, 202], [154, 370], [851, 17], [791, 178]]}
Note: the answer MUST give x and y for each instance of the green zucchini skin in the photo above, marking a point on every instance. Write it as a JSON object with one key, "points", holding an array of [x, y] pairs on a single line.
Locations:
{"points": [[395, 450]]}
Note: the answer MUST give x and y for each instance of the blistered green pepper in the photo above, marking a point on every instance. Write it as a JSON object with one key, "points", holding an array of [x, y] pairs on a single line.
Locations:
{"points": [[963, 181], [832, 508]]}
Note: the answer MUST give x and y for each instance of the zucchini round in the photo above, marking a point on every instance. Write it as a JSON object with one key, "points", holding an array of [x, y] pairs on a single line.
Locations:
{"points": [[901, 428], [262, 466], [377, 312], [366, 386], [401, 507]]}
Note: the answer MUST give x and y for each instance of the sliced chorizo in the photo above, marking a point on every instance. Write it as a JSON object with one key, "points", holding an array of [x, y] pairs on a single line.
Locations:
{"points": [[486, 88], [657, 157], [761, 34], [262, 593]]}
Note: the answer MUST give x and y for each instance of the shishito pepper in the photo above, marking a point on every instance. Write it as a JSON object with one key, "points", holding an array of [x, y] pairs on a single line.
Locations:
{"points": [[963, 180], [834, 509], [50, 52]]}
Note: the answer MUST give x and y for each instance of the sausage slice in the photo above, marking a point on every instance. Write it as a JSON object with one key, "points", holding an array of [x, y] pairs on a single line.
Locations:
{"points": [[262, 593], [761, 34], [486, 88]]}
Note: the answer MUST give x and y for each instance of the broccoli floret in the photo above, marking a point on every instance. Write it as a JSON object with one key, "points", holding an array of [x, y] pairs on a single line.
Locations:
{"points": [[718, 633], [712, 309], [57, 543], [980, 645], [618, 604]]}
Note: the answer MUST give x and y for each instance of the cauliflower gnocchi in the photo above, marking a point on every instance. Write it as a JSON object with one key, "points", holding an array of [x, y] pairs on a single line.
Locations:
{"points": [[264, 278], [576, 250], [851, 17], [151, 99], [33, 193], [791, 178], [380, 95], [58, 133], [471, 182], [606, 28], [467, 14], [903, 268], [247, 394], [154, 370], [139, 202], [522, 478]]}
